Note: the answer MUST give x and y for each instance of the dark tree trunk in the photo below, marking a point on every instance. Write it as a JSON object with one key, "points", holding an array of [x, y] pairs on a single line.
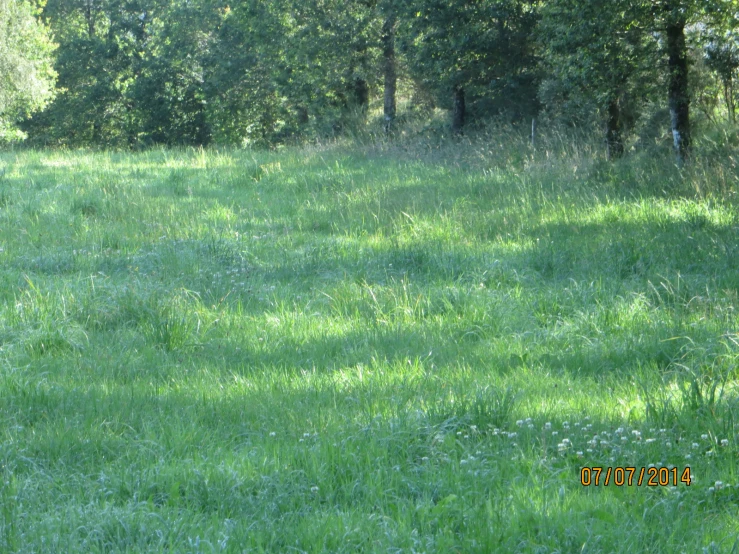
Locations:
{"points": [[614, 136], [391, 77], [729, 99], [202, 129], [90, 18], [458, 111], [302, 115], [678, 95], [361, 94]]}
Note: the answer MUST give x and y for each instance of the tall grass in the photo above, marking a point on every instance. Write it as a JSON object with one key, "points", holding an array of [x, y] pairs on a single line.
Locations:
{"points": [[397, 346]]}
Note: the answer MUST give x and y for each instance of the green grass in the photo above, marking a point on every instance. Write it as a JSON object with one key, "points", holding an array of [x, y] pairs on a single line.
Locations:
{"points": [[373, 349]]}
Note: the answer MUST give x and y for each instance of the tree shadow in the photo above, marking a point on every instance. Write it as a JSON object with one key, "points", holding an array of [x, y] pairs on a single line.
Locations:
{"points": [[681, 264]]}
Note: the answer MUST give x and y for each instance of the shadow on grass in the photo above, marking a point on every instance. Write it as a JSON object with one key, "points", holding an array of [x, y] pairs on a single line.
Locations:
{"points": [[678, 263]]}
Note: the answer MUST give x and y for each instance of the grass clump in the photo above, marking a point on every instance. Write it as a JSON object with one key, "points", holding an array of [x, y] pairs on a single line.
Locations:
{"points": [[366, 349]]}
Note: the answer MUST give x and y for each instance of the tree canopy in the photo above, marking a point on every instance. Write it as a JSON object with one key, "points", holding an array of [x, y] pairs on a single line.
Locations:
{"points": [[142, 72], [26, 73]]}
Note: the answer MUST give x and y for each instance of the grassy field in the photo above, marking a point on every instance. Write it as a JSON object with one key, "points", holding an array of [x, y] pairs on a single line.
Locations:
{"points": [[369, 349]]}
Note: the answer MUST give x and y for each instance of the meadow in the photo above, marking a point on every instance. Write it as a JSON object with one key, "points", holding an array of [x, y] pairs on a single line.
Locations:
{"points": [[367, 348]]}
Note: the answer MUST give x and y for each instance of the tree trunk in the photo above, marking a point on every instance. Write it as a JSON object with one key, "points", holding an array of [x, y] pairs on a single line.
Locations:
{"points": [[458, 111], [678, 95], [391, 77], [202, 128], [361, 94], [90, 18], [729, 99], [302, 115], [614, 137]]}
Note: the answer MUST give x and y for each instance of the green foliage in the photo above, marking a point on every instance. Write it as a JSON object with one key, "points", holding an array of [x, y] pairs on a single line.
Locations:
{"points": [[141, 73], [169, 96], [135, 73], [484, 47], [26, 74], [599, 53], [290, 69], [721, 53]]}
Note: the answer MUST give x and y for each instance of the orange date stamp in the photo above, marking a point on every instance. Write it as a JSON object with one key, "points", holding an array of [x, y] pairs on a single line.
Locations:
{"points": [[634, 476]]}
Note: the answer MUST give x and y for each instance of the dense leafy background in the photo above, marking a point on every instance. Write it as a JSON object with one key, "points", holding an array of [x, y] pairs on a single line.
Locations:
{"points": [[141, 72]]}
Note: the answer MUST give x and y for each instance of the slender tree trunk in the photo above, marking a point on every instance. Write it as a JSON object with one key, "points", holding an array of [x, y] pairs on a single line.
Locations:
{"points": [[678, 95], [202, 128], [361, 94], [458, 110], [729, 99], [391, 77], [614, 136], [90, 18], [302, 115]]}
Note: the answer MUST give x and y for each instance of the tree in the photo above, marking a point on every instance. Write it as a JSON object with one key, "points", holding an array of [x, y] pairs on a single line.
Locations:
{"points": [[100, 42], [722, 56], [674, 16], [721, 51], [169, 94], [389, 70], [243, 97], [130, 73], [474, 54], [598, 50], [670, 19], [26, 74]]}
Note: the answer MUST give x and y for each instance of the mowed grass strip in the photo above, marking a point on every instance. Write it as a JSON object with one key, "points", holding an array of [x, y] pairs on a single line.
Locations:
{"points": [[349, 350]]}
